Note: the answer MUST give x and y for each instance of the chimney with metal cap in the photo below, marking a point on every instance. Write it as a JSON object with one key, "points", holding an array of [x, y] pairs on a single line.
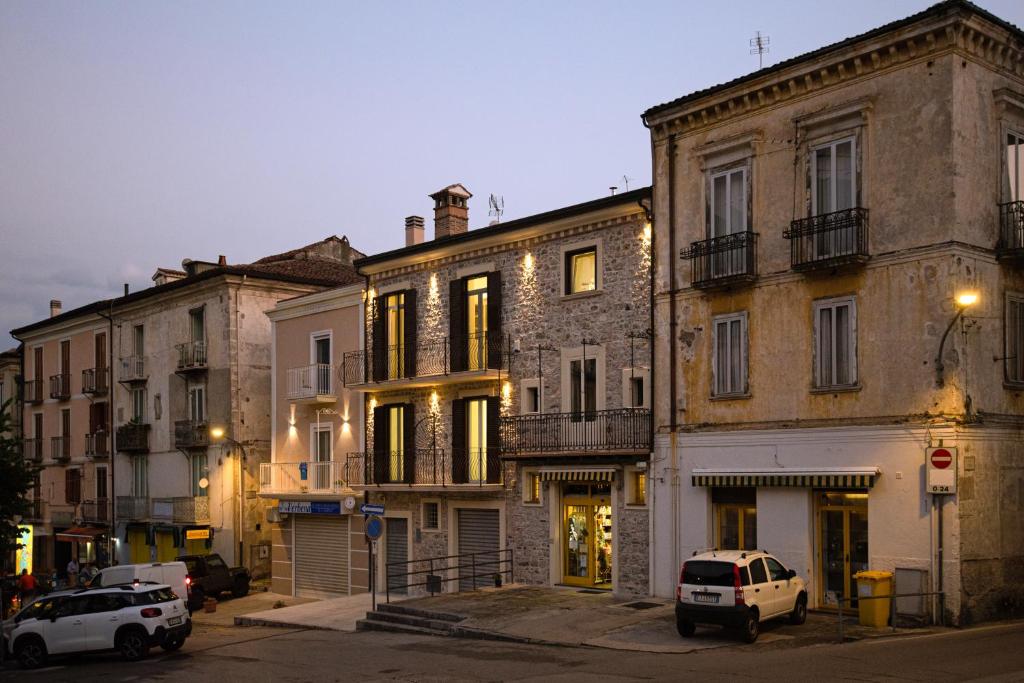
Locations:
{"points": [[451, 211], [413, 230], [55, 307]]}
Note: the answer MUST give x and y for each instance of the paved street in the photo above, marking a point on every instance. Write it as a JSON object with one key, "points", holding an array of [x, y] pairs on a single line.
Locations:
{"points": [[224, 653]]}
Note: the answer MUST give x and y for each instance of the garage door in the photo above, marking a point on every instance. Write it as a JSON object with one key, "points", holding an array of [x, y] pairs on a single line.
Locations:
{"points": [[396, 539], [321, 556], [478, 534]]}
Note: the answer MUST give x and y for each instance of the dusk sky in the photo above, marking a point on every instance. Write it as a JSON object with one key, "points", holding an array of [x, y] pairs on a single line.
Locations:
{"points": [[137, 134]]}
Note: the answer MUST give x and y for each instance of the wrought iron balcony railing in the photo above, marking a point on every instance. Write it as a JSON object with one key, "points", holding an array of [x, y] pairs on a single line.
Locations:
{"points": [[625, 430], [97, 445], [191, 434], [723, 261], [302, 477], [1011, 231], [192, 355], [311, 383], [132, 508], [830, 240], [94, 381], [33, 449], [60, 448], [474, 352], [133, 438], [424, 467], [96, 510], [33, 389], [133, 369], [181, 509], [60, 386]]}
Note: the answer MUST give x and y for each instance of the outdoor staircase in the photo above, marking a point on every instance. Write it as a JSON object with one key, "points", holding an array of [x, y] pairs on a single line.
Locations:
{"points": [[399, 619]]}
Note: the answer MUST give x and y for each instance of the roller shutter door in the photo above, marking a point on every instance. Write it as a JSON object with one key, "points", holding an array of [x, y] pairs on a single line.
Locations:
{"points": [[396, 540], [321, 556], [478, 533]]}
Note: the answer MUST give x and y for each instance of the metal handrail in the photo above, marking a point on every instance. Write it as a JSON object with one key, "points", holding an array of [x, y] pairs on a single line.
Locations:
{"points": [[504, 556], [892, 606], [828, 239], [1011, 227], [723, 259], [621, 429]]}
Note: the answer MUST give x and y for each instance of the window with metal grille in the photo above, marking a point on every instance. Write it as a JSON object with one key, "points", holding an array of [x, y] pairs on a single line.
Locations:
{"points": [[431, 516]]}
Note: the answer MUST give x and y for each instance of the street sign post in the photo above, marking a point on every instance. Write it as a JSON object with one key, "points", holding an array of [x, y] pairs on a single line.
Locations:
{"points": [[940, 464], [371, 509], [374, 528]]}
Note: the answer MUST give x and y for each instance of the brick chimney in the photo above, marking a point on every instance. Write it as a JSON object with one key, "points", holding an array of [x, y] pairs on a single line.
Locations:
{"points": [[413, 230], [55, 307], [451, 211]]}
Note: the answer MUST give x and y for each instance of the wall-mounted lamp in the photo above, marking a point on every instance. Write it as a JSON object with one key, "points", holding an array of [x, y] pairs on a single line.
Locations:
{"points": [[963, 301]]}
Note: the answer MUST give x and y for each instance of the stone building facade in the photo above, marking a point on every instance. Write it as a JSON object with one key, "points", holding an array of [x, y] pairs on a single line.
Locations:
{"points": [[809, 365], [476, 335]]}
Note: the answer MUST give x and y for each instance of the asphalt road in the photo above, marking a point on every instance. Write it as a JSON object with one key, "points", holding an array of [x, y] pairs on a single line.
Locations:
{"points": [[253, 655]]}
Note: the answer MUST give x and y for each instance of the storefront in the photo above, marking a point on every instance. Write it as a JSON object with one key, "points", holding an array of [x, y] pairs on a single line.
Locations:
{"points": [[319, 549], [587, 534]]}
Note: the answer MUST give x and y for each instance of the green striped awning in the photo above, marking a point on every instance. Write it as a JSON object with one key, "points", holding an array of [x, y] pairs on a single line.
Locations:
{"points": [[822, 480], [577, 475]]}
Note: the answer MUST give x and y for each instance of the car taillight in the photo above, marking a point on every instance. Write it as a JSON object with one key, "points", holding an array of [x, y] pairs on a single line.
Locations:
{"points": [[679, 586], [188, 580], [150, 612], [737, 585]]}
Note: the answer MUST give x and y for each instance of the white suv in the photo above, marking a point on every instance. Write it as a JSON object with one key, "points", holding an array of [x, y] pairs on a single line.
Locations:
{"points": [[737, 589], [128, 618]]}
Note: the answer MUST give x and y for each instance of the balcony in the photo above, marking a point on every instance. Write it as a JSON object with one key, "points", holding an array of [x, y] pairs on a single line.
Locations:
{"points": [[133, 438], [94, 381], [33, 391], [181, 510], [97, 445], [132, 508], [1010, 246], [304, 478], [476, 357], [191, 356], [723, 261], [133, 370], [829, 241], [426, 469], [96, 511], [60, 386], [311, 384], [191, 434], [626, 431], [33, 449], [60, 448]]}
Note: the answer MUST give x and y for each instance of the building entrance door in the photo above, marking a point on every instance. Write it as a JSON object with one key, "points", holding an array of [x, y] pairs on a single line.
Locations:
{"points": [[587, 535], [843, 544]]}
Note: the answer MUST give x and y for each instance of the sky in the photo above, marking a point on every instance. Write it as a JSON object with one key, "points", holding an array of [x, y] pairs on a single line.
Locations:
{"points": [[137, 134]]}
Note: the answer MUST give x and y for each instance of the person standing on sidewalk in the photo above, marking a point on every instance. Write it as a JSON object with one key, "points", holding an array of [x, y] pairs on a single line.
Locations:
{"points": [[27, 587], [72, 572]]}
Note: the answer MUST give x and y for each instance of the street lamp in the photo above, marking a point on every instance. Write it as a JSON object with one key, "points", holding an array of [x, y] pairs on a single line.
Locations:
{"points": [[220, 434], [964, 300]]}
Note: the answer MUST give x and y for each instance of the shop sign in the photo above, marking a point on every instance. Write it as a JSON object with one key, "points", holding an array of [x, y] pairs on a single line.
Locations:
{"points": [[23, 555], [196, 534], [940, 464], [309, 507]]}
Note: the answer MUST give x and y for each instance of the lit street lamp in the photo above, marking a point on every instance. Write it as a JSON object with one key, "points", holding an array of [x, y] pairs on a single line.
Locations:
{"points": [[964, 300], [219, 434]]}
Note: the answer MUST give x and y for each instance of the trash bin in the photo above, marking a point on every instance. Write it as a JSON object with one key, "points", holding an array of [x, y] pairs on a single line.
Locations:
{"points": [[871, 583]]}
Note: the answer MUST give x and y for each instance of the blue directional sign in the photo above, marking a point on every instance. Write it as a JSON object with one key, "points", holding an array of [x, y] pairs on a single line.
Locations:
{"points": [[374, 527], [371, 509]]}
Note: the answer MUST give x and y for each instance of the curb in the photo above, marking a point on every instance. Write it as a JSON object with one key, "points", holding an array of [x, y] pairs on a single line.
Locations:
{"points": [[251, 621]]}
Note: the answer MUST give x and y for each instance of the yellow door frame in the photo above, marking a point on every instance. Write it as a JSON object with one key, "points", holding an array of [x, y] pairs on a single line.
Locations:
{"points": [[590, 503], [847, 578]]}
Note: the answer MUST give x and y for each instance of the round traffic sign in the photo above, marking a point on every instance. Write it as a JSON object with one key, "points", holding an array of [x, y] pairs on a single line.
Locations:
{"points": [[374, 527], [941, 458]]}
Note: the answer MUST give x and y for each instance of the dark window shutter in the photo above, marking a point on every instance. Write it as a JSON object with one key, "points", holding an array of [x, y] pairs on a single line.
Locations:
{"points": [[493, 442], [460, 468], [411, 325], [409, 445], [494, 334], [457, 340], [379, 355], [380, 445]]}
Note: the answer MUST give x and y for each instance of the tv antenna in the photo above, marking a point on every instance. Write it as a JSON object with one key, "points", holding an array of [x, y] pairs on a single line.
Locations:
{"points": [[759, 46], [497, 205], [625, 181]]}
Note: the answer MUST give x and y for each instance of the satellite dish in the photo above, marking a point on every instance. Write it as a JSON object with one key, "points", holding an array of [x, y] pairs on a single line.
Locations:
{"points": [[204, 483]]}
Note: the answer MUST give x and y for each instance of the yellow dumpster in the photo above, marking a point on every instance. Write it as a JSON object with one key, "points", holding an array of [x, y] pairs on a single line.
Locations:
{"points": [[871, 583]]}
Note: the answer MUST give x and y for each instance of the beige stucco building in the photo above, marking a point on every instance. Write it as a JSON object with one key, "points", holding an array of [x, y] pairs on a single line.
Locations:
{"points": [[815, 222]]}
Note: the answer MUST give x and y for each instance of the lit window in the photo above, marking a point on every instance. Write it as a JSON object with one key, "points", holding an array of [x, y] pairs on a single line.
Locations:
{"points": [[531, 488], [638, 489], [581, 270]]}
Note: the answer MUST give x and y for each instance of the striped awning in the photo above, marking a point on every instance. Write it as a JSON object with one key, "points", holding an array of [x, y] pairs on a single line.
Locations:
{"points": [[577, 475], [855, 478]]}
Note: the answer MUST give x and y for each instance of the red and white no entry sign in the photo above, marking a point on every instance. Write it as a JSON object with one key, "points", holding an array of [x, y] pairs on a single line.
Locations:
{"points": [[941, 458]]}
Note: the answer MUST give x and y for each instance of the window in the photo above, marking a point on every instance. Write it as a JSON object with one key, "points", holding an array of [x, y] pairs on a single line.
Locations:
{"points": [[776, 570], [73, 486], [728, 203], [396, 443], [757, 572], [637, 493], [581, 270], [735, 517], [197, 324], [833, 177], [101, 482], [197, 403], [395, 326], [140, 477], [65, 425], [1013, 191], [835, 334], [729, 350], [476, 439], [138, 340], [530, 403], [322, 359], [138, 404], [199, 471], [431, 516], [531, 487], [322, 443], [583, 387], [1014, 338], [636, 384], [476, 309]]}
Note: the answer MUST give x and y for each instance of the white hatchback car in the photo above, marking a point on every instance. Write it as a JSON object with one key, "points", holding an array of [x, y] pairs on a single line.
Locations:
{"points": [[130, 619], [738, 589]]}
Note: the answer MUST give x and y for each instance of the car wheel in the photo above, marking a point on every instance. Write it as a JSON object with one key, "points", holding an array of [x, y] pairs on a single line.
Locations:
{"points": [[198, 595], [686, 628], [134, 645], [240, 589], [173, 644], [31, 652], [751, 628], [799, 613]]}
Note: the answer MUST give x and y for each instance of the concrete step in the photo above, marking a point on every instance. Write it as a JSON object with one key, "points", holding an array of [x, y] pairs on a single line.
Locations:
{"points": [[410, 620], [398, 608], [393, 627]]}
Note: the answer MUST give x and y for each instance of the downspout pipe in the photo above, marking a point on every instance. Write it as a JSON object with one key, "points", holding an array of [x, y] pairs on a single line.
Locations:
{"points": [[110, 427]]}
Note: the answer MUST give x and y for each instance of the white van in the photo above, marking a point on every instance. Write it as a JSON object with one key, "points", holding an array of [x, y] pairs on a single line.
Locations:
{"points": [[172, 574]]}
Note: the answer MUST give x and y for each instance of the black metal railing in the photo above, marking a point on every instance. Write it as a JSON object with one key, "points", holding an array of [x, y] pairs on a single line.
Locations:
{"points": [[60, 386], [133, 438], [1011, 230], [191, 434], [96, 510], [33, 389], [192, 355], [132, 508], [425, 467], [829, 240], [33, 449], [97, 445], [722, 261], [468, 571], [481, 351], [60, 448], [94, 381], [624, 430]]}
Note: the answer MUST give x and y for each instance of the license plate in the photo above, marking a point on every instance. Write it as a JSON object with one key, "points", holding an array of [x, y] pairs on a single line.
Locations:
{"points": [[705, 597], [174, 621]]}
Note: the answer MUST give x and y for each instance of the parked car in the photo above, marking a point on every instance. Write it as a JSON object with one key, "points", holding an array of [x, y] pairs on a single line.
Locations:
{"points": [[174, 574], [737, 589], [209, 575], [128, 618]]}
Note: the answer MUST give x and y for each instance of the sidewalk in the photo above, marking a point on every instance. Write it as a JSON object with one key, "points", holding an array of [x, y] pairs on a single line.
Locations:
{"points": [[336, 614]]}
